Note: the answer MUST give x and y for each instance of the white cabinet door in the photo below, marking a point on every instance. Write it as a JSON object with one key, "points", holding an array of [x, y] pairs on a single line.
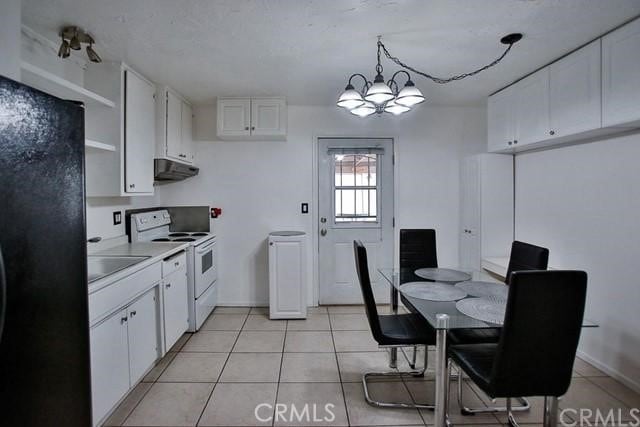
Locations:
{"points": [[109, 364], [268, 117], [234, 117], [532, 108], [574, 95], [286, 278], [139, 134], [621, 75], [176, 311], [187, 133], [174, 126], [143, 335], [500, 127]]}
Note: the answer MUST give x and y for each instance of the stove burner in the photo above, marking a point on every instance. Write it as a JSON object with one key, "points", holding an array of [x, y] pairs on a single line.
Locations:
{"points": [[199, 234], [163, 239], [184, 239], [178, 234]]}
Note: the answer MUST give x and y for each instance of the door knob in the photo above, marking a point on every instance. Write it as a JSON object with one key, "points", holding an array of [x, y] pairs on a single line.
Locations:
{"points": [[323, 232], [323, 220]]}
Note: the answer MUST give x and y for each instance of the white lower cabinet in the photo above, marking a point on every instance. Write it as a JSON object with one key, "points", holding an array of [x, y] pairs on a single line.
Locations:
{"points": [[143, 335], [287, 275], [176, 310], [109, 364]]}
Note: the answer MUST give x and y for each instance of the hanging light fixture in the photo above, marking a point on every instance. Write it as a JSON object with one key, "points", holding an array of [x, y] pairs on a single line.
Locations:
{"points": [[72, 38], [379, 97]]}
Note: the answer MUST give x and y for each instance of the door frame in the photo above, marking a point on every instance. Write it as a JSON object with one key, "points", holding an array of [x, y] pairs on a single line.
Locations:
{"points": [[313, 298]]}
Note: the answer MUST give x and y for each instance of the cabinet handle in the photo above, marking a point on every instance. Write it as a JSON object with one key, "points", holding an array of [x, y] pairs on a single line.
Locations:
{"points": [[246, 128], [515, 141], [168, 285], [132, 186], [123, 319], [177, 263], [253, 128], [133, 313], [552, 132], [509, 142], [270, 243]]}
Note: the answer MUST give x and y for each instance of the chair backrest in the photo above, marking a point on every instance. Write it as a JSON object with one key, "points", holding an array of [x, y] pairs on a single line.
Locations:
{"points": [[417, 250], [525, 256], [362, 268], [540, 334]]}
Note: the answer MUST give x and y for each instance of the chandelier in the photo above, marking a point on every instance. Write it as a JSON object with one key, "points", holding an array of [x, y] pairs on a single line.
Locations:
{"points": [[72, 38], [387, 97]]}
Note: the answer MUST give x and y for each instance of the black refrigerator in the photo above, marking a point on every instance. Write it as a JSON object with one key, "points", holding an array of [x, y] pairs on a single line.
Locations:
{"points": [[45, 375]]}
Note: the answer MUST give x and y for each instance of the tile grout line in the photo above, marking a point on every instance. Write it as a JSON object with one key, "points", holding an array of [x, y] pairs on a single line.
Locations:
{"points": [[222, 370], [604, 389], [284, 342], [335, 354]]}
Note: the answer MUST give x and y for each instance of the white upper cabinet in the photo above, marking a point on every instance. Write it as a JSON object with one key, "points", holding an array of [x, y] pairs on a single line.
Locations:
{"points": [[621, 75], [500, 116], [531, 102], [139, 134], [575, 95], [252, 118], [174, 117]]}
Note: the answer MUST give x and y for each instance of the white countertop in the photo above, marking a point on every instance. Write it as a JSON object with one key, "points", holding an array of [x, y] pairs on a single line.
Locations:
{"points": [[154, 251]]}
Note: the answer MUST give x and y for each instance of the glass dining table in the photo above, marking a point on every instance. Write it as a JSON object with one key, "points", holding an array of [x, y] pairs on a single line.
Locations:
{"points": [[443, 316]]}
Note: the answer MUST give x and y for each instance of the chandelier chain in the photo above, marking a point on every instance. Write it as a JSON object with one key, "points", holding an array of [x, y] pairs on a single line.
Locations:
{"points": [[440, 80]]}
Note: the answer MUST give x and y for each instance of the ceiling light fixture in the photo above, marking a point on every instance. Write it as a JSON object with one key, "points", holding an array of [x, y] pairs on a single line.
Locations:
{"points": [[76, 37], [379, 97]]}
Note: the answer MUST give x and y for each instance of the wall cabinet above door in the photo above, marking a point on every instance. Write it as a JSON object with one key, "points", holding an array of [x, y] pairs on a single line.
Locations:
{"points": [[174, 127], [252, 118]]}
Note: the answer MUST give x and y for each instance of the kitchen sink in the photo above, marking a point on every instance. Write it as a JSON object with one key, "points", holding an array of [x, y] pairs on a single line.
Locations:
{"points": [[100, 266]]}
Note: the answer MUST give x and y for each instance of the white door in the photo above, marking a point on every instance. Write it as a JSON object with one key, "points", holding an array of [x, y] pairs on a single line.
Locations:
{"points": [[143, 335], [140, 134], [234, 117], [109, 364], [268, 116], [532, 108], [174, 126], [176, 309], [621, 75], [574, 96], [187, 133], [355, 184], [470, 214]]}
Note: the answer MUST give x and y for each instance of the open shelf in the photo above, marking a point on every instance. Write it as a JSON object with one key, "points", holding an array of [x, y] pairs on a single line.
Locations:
{"points": [[57, 86], [89, 143]]}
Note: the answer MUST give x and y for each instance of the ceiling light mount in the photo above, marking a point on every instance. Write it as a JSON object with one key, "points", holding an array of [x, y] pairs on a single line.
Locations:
{"points": [[379, 97], [72, 38]]}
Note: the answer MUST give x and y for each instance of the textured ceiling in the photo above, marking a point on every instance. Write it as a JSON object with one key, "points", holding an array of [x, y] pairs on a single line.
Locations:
{"points": [[306, 50]]}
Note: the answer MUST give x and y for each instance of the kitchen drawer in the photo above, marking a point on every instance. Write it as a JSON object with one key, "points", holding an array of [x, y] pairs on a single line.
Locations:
{"points": [[173, 263], [120, 293]]}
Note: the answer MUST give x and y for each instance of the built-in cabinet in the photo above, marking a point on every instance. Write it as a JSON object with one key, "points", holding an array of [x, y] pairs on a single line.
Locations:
{"points": [[175, 299], [590, 92], [287, 275], [174, 127], [487, 207], [252, 118], [130, 127]]}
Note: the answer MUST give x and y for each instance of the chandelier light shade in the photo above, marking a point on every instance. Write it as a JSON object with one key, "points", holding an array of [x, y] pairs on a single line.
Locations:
{"points": [[350, 98], [380, 97]]}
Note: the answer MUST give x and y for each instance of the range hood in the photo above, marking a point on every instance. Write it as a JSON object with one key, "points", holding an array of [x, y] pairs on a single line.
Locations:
{"points": [[165, 170]]}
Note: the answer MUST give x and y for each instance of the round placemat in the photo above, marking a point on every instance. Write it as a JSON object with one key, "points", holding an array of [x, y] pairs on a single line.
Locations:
{"points": [[486, 309], [442, 275], [432, 291], [484, 289]]}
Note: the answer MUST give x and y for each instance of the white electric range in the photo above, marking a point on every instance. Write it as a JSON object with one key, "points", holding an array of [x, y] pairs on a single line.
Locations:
{"points": [[202, 271]]}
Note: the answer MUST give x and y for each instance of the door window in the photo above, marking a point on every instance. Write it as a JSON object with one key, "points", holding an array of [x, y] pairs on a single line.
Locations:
{"points": [[355, 188]]}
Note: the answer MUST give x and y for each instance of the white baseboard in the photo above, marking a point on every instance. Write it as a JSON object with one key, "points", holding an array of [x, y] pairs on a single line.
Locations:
{"points": [[635, 386], [242, 304]]}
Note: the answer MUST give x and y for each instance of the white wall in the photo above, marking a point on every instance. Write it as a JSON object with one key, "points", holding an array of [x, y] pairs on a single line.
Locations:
{"points": [[100, 213], [260, 185], [583, 203], [10, 20]]}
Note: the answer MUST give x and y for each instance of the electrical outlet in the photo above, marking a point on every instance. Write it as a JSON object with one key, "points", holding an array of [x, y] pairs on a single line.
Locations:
{"points": [[304, 208], [117, 218]]}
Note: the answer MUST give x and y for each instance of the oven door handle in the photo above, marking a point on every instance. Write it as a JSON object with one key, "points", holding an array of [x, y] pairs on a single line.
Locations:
{"points": [[205, 248]]}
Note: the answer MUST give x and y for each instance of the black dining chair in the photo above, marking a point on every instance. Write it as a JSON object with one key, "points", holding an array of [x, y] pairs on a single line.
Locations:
{"points": [[417, 250], [538, 343], [390, 331], [523, 257]]}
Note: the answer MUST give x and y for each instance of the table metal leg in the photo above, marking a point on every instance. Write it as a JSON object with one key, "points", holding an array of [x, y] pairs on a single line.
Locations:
{"points": [[393, 353], [442, 381], [550, 411]]}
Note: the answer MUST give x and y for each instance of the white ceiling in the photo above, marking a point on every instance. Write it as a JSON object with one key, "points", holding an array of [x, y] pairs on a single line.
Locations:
{"points": [[306, 49]]}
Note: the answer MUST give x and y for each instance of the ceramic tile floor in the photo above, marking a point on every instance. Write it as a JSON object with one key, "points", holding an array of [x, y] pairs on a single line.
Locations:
{"points": [[240, 359]]}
